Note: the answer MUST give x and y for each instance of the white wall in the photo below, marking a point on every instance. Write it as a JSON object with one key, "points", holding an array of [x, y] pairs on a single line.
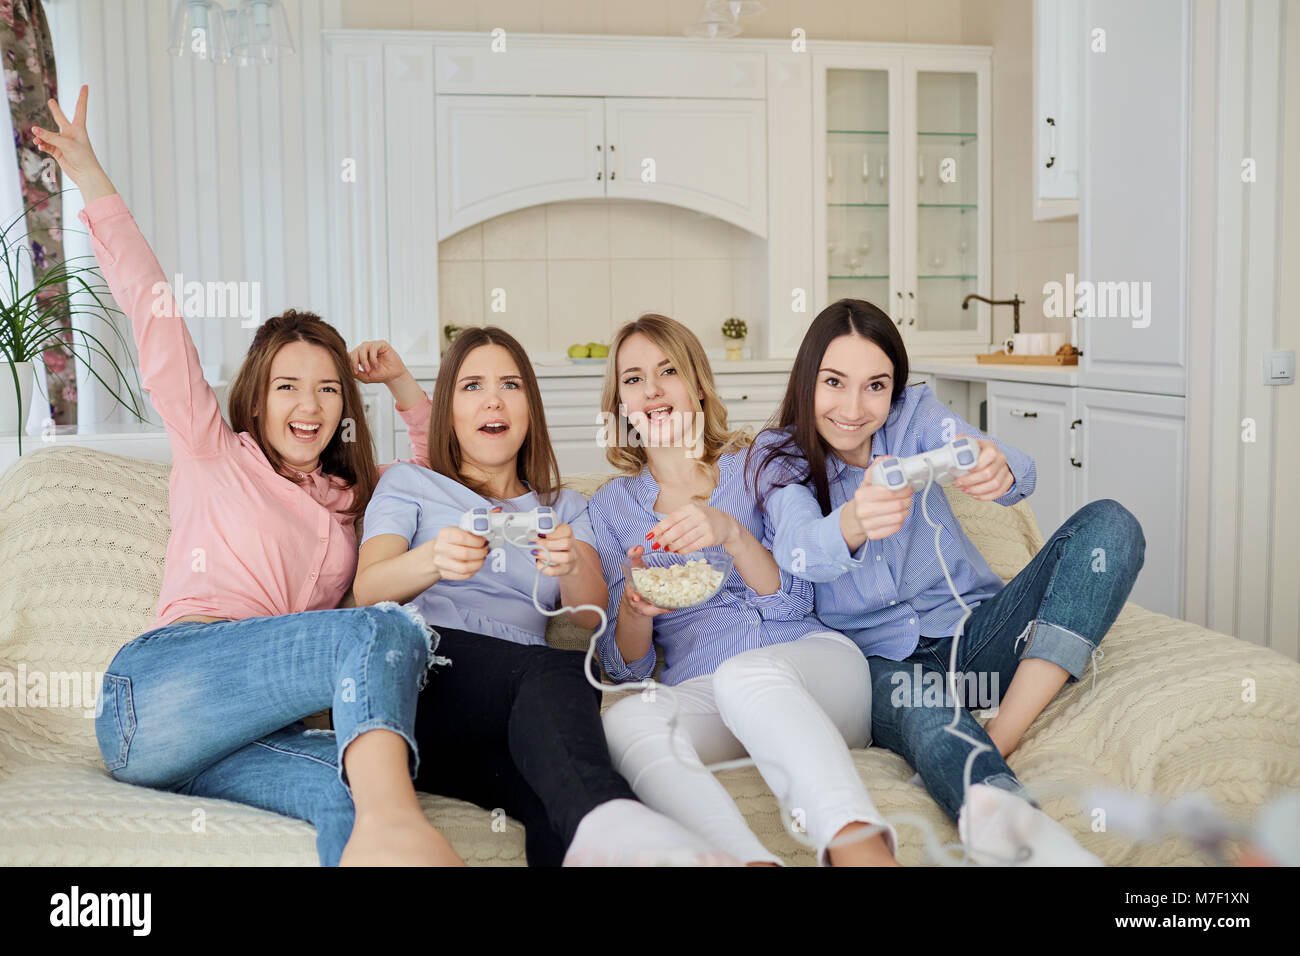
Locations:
{"points": [[219, 165], [1243, 574]]}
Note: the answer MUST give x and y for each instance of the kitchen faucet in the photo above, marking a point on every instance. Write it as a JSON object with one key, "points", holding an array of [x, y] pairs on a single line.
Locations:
{"points": [[1015, 302]]}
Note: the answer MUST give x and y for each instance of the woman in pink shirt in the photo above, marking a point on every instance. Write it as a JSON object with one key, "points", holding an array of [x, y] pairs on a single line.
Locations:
{"points": [[248, 638]]}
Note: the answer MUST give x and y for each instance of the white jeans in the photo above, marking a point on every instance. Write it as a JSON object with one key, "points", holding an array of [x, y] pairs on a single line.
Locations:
{"points": [[794, 707]]}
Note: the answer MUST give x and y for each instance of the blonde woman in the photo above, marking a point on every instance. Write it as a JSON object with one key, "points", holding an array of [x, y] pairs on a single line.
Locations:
{"points": [[752, 670]]}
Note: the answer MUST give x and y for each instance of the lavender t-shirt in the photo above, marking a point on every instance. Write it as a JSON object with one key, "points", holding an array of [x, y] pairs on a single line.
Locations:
{"points": [[417, 503]]}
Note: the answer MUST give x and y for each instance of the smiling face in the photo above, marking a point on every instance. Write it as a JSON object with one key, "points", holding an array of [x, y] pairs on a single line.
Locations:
{"points": [[854, 390], [654, 393], [489, 408], [304, 403]]}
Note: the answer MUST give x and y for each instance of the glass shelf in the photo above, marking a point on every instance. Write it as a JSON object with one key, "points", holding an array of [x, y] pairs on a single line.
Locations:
{"points": [[967, 135], [948, 277], [860, 132], [858, 277], [847, 205], [946, 205]]}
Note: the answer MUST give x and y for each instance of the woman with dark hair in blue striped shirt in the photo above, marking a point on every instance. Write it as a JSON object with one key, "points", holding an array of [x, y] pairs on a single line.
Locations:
{"points": [[751, 668], [905, 590]]}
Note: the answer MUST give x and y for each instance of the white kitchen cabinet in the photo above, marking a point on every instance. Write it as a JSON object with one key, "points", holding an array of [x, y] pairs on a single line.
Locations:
{"points": [[1089, 444], [1133, 209], [501, 153], [902, 189], [1060, 41], [707, 155], [1037, 419], [1132, 448]]}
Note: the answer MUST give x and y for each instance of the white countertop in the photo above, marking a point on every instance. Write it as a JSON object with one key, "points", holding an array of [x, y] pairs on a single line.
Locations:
{"points": [[967, 368]]}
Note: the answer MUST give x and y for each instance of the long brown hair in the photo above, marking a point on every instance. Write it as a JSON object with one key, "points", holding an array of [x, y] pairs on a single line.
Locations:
{"points": [[535, 463], [804, 449], [681, 347], [352, 461]]}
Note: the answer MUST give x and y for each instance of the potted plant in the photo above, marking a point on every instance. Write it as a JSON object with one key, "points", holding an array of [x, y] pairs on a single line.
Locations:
{"points": [[31, 327], [734, 331]]}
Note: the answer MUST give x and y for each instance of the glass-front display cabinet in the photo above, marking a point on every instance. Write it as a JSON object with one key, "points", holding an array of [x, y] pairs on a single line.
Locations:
{"points": [[902, 187]]}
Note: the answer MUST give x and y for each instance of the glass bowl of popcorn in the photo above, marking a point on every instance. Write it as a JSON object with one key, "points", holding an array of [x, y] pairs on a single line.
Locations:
{"points": [[676, 581]]}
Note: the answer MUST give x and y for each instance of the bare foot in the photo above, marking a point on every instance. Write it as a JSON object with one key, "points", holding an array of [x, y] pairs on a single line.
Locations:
{"points": [[873, 851], [403, 838]]}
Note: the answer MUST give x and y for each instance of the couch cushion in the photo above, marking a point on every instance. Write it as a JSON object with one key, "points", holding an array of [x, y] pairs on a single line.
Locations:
{"points": [[82, 540]]}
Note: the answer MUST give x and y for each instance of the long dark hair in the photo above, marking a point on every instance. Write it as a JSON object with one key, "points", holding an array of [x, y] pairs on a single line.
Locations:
{"points": [[535, 463], [803, 449], [352, 461]]}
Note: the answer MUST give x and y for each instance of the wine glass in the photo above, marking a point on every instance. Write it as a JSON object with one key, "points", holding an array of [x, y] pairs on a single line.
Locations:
{"points": [[863, 248]]}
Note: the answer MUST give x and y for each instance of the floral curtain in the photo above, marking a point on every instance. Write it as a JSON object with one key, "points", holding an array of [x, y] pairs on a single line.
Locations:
{"points": [[28, 57]]}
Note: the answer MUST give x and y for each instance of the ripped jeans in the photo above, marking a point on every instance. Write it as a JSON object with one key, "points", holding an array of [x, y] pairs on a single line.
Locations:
{"points": [[215, 709], [1058, 608]]}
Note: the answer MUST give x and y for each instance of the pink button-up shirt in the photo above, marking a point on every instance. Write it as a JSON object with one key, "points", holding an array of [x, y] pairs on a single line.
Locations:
{"points": [[245, 540]]}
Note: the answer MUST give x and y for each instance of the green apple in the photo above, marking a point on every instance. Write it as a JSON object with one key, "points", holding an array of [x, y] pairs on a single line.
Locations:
{"points": [[578, 351], [598, 350]]}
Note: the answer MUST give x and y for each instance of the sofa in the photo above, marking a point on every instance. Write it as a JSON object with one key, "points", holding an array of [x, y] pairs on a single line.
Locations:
{"points": [[82, 540]]}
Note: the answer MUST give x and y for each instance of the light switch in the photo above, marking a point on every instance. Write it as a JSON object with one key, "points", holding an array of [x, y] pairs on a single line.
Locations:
{"points": [[1279, 367]]}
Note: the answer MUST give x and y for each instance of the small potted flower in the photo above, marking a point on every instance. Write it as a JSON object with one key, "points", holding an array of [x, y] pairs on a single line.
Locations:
{"points": [[734, 331]]}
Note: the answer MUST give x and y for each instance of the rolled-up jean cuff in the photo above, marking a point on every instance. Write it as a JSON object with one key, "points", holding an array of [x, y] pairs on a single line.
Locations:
{"points": [[1005, 781], [1061, 646], [376, 723]]}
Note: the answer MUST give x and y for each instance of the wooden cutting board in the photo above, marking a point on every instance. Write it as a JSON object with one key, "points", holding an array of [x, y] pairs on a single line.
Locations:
{"points": [[1002, 358]]}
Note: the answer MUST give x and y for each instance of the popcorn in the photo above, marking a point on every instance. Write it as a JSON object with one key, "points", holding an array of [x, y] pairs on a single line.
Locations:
{"points": [[677, 585]]}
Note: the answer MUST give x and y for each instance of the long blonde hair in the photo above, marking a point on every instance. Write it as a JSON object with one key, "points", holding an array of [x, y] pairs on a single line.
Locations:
{"points": [[681, 347]]}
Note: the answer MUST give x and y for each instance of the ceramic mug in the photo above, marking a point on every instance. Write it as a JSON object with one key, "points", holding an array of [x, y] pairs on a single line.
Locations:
{"points": [[1017, 344]]}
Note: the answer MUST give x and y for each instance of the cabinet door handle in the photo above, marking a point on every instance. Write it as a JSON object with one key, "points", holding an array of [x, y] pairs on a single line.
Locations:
{"points": [[612, 172], [1051, 142], [902, 310], [1021, 413], [1074, 451], [912, 296], [600, 173]]}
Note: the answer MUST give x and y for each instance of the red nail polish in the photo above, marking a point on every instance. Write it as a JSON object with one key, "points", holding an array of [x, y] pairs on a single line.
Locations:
{"points": [[655, 546], [649, 535]]}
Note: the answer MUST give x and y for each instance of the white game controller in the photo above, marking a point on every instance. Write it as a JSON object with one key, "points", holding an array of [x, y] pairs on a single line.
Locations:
{"points": [[948, 461], [521, 525]]}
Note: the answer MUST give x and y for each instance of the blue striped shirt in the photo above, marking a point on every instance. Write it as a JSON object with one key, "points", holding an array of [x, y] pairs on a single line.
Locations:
{"points": [[695, 640], [889, 592]]}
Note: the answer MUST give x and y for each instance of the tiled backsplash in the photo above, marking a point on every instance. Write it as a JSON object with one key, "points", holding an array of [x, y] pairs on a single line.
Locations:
{"points": [[575, 271]]}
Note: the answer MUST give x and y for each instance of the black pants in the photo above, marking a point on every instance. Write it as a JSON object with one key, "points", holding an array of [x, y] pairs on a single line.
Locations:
{"points": [[518, 728]]}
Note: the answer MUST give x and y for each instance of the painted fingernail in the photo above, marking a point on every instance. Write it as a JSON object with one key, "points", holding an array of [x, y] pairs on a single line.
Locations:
{"points": [[655, 546], [649, 535], [540, 535]]}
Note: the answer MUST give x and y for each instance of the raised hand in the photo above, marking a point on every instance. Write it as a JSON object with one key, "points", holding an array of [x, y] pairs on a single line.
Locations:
{"points": [[376, 361], [70, 147]]}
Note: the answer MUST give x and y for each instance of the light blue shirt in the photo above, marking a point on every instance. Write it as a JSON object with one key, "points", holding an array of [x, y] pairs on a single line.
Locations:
{"points": [[695, 640], [890, 592], [416, 503]]}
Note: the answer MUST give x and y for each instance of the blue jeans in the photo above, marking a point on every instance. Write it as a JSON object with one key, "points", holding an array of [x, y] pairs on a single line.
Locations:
{"points": [[1059, 607], [215, 709]]}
